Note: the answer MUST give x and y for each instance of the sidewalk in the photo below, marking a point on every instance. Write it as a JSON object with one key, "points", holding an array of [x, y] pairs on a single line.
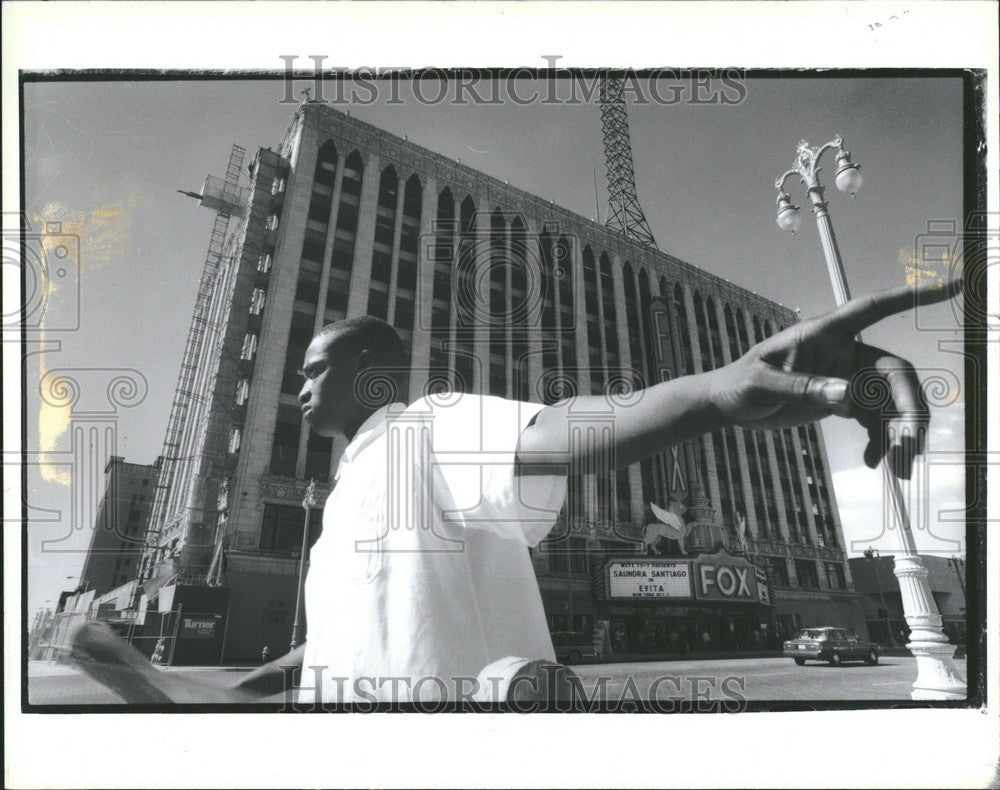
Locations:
{"points": [[47, 669]]}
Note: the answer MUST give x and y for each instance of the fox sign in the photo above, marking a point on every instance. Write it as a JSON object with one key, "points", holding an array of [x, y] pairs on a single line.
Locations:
{"points": [[722, 577]]}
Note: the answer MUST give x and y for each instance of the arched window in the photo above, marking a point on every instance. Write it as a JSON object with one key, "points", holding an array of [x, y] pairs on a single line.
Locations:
{"points": [[465, 306], [406, 271], [680, 309], [713, 332], [563, 257], [521, 302], [645, 311], [344, 236], [593, 318], [632, 322], [385, 231], [732, 337], [741, 331], [498, 319], [550, 322], [612, 355], [442, 254], [701, 322]]}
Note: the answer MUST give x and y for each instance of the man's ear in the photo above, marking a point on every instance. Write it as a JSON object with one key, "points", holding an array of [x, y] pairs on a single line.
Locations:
{"points": [[365, 360]]}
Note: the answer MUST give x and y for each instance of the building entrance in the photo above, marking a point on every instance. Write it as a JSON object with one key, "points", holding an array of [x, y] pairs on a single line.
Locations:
{"points": [[680, 631]]}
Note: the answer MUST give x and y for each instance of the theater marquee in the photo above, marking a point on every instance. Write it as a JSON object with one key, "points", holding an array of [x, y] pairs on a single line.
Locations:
{"points": [[718, 577], [648, 579]]}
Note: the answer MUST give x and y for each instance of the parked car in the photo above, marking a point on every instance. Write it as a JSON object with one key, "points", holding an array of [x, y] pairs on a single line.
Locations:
{"points": [[835, 645], [571, 646]]}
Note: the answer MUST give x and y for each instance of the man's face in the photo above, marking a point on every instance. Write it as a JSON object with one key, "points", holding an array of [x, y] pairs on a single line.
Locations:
{"points": [[327, 396]]}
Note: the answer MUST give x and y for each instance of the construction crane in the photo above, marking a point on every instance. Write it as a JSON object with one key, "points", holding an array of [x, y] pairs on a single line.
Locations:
{"points": [[625, 214]]}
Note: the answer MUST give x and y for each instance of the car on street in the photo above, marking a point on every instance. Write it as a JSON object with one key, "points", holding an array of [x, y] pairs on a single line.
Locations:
{"points": [[572, 646], [835, 645]]}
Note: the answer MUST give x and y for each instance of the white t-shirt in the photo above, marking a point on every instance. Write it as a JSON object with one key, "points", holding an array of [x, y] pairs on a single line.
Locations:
{"points": [[421, 576]]}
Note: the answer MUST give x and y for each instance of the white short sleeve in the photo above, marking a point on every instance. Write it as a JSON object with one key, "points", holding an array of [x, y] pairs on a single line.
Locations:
{"points": [[473, 445]]}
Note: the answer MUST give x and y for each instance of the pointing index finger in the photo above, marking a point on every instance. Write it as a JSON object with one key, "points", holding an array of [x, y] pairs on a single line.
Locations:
{"points": [[858, 314]]}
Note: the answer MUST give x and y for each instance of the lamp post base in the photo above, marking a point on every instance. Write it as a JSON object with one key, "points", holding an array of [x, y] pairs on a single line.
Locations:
{"points": [[935, 678], [928, 643]]}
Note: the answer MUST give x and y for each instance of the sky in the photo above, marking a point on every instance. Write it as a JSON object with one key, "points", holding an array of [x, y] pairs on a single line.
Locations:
{"points": [[106, 159]]}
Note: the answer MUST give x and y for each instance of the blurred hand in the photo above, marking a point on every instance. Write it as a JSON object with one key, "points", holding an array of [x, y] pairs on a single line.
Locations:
{"points": [[818, 367], [113, 662]]}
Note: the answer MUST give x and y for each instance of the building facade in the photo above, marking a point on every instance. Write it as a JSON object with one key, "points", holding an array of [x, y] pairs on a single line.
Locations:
{"points": [[494, 291], [119, 532], [876, 582]]}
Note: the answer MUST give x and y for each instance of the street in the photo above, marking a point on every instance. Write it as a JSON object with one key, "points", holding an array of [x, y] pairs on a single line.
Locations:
{"points": [[727, 680], [756, 679]]}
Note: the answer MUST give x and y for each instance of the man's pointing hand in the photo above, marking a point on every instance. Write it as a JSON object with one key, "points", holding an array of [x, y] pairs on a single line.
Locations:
{"points": [[820, 367]]}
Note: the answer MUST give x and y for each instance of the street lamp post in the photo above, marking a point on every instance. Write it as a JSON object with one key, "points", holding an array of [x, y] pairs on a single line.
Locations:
{"points": [[928, 643], [308, 503]]}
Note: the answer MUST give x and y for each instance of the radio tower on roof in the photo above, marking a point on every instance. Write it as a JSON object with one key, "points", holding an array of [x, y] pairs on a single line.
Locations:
{"points": [[625, 215]]}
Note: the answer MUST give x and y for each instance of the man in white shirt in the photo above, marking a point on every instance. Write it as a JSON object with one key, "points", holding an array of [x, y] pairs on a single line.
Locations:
{"points": [[420, 586]]}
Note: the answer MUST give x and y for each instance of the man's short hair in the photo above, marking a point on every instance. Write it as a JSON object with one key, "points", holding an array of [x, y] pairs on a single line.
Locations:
{"points": [[366, 332]]}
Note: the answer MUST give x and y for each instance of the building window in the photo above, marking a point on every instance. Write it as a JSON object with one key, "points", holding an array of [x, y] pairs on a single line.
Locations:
{"points": [[597, 372], [299, 336], [285, 449], [806, 572], [307, 285], [242, 391], [264, 263], [499, 272], [342, 257], [281, 527], [385, 223], [257, 301], [319, 450], [779, 571], [235, 435], [249, 346], [835, 576]]}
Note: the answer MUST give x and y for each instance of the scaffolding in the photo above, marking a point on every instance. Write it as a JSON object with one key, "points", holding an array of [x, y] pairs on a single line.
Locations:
{"points": [[625, 215], [223, 196]]}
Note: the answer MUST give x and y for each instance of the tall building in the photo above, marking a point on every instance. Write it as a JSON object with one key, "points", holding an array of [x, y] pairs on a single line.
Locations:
{"points": [[497, 291], [120, 530]]}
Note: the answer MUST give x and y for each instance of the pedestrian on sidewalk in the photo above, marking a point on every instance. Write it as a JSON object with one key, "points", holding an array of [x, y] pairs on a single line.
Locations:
{"points": [[706, 641]]}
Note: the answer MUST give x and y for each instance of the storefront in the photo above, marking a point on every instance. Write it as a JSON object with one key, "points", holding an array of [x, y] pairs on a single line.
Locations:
{"points": [[713, 602]]}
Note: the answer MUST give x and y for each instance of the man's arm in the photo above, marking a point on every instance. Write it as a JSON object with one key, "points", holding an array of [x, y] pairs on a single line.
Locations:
{"points": [[660, 416], [797, 376], [272, 677], [113, 662]]}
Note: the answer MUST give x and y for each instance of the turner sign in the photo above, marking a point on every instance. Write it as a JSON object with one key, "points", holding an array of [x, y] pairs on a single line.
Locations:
{"points": [[722, 577], [648, 579]]}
